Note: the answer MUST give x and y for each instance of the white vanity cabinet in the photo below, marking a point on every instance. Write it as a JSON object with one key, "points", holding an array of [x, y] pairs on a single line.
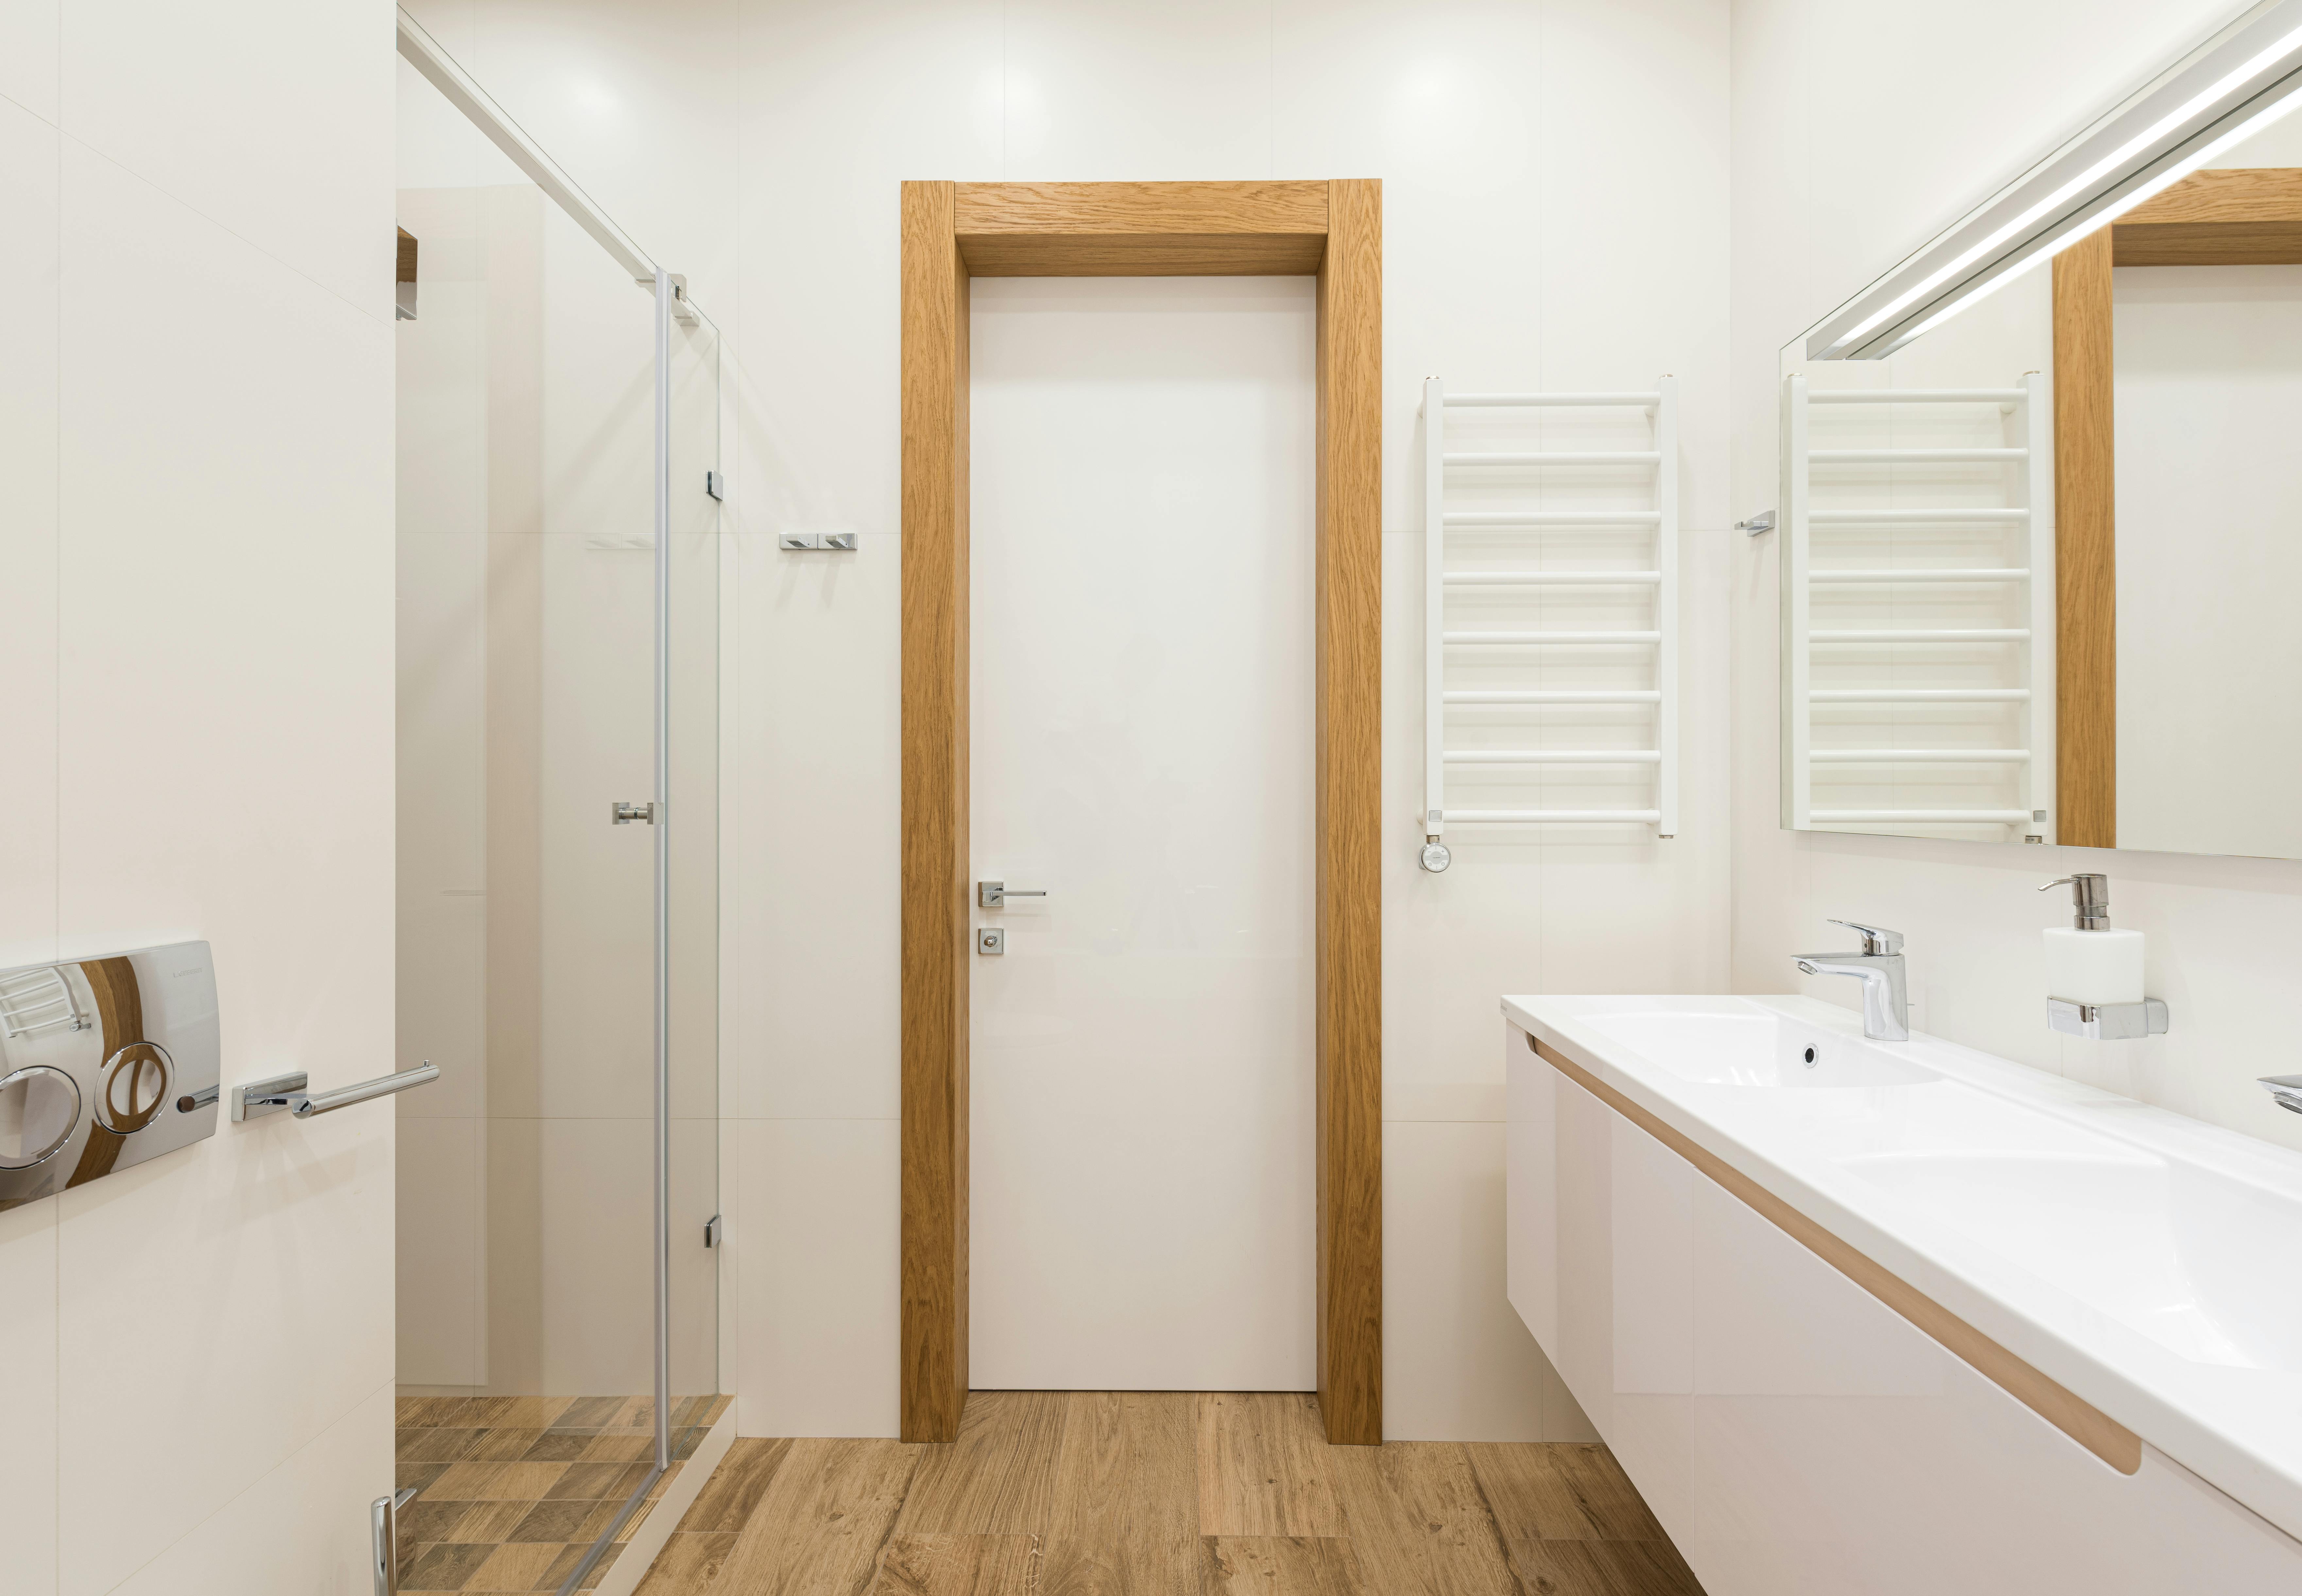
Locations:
{"points": [[1795, 1435]]}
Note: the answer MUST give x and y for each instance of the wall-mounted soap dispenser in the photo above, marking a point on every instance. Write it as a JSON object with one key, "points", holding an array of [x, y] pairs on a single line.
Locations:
{"points": [[2094, 972]]}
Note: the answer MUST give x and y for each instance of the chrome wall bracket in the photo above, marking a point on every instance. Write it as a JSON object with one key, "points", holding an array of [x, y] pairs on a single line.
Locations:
{"points": [[1757, 526], [834, 541], [2107, 1022], [291, 1092]]}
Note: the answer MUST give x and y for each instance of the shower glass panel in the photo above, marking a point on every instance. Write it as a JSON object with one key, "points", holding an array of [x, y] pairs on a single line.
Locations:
{"points": [[692, 897], [545, 1299]]}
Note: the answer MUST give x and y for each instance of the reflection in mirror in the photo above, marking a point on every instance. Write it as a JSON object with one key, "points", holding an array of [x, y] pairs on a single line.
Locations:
{"points": [[2035, 555]]}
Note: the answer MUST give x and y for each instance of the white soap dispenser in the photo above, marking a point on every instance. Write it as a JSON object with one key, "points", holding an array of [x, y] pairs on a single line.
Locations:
{"points": [[2090, 963]]}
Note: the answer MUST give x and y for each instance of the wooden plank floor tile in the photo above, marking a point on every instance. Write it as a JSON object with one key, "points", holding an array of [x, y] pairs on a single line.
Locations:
{"points": [[1602, 1568], [1147, 1494], [514, 1566], [1414, 1511], [959, 1565], [482, 1521], [1125, 1518], [688, 1563], [505, 1444], [446, 1567], [1282, 1566], [565, 1565], [998, 1477], [1262, 1466], [1560, 1492], [435, 1443], [732, 1492], [528, 1413], [819, 1526], [412, 1411]]}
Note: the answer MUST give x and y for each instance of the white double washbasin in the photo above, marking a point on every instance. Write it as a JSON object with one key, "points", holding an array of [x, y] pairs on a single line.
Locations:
{"points": [[2150, 1263]]}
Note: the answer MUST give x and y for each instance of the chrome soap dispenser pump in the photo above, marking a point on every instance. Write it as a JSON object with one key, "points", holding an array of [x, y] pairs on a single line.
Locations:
{"points": [[2094, 972]]}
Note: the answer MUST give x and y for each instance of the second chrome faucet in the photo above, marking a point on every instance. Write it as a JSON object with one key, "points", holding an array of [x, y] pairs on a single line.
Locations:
{"points": [[1878, 966]]}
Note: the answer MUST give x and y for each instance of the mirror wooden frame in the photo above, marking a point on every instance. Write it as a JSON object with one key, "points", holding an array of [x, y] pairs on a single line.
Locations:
{"points": [[952, 231], [2237, 216]]}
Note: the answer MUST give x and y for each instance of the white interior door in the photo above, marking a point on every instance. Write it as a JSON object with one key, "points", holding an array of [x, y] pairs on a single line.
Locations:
{"points": [[1141, 1053]]}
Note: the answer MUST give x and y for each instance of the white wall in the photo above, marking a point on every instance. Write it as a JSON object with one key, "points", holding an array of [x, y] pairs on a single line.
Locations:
{"points": [[1858, 132], [196, 631], [2209, 394], [1554, 216]]}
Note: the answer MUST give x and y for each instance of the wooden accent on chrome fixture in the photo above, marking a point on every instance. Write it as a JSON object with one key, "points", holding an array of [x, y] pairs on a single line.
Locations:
{"points": [[2235, 216], [2086, 572], [2075, 1418], [951, 231]]}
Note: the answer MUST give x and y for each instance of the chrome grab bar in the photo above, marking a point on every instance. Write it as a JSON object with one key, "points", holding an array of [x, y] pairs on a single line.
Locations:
{"points": [[260, 1097], [384, 1532]]}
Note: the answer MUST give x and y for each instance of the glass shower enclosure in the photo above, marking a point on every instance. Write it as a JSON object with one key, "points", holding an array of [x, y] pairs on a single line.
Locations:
{"points": [[558, 575]]}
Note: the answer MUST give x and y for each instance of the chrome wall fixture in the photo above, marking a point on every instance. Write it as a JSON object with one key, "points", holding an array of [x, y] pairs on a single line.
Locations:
{"points": [[292, 1093], [103, 1063]]}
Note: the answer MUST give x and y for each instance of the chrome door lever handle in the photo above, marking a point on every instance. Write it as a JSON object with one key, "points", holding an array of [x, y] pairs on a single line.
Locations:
{"points": [[261, 1098], [993, 894]]}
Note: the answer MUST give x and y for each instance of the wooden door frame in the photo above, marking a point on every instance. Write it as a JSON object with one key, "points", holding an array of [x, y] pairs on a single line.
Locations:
{"points": [[2234, 216], [951, 233]]}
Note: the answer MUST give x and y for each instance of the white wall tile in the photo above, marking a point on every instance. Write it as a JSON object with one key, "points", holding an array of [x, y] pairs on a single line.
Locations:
{"points": [[440, 1242], [28, 198], [820, 1311], [302, 1528], [28, 1350], [262, 1248], [1457, 1362], [1076, 80], [598, 1283], [196, 632], [821, 1015], [29, 30], [226, 578], [299, 165]]}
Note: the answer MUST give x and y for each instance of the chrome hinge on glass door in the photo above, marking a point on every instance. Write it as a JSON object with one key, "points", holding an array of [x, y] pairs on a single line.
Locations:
{"points": [[624, 814], [383, 1530]]}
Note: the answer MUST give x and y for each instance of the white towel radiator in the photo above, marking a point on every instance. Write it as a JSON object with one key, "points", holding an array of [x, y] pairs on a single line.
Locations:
{"points": [[1652, 530], [1922, 606]]}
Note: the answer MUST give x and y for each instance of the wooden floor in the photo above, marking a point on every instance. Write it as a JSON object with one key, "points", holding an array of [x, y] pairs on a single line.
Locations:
{"points": [[513, 1490], [1100, 1493]]}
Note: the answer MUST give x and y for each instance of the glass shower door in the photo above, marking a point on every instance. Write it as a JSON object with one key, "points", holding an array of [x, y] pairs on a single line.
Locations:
{"points": [[558, 871]]}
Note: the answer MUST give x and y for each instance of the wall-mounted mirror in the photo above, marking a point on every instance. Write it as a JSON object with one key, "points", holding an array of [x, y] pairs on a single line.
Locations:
{"points": [[2041, 508]]}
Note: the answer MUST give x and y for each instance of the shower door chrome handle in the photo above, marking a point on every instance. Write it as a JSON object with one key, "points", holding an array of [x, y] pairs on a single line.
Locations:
{"points": [[384, 1537], [261, 1098]]}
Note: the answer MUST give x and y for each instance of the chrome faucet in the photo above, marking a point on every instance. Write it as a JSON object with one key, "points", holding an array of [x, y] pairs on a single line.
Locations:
{"points": [[2285, 1090], [1878, 966]]}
